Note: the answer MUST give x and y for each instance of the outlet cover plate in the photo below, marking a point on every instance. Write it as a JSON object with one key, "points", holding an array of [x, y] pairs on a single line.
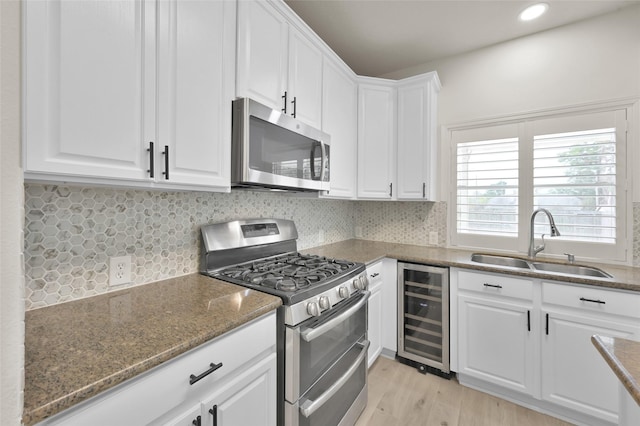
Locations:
{"points": [[119, 270]]}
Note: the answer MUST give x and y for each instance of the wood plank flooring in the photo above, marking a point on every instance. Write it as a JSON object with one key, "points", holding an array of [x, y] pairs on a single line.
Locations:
{"points": [[400, 395]]}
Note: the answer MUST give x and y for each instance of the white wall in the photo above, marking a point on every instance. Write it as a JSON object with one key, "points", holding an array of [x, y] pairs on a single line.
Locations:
{"points": [[593, 60], [11, 219]]}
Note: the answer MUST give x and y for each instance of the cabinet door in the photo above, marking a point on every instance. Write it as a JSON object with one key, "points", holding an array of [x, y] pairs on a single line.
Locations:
{"points": [[196, 70], [262, 53], [494, 342], [374, 322], [249, 399], [389, 273], [412, 143], [376, 141], [573, 372], [339, 120], [87, 65], [417, 138], [305, 79]]}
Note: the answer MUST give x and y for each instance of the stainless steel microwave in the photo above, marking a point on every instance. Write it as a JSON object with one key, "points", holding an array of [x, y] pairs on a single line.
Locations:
{"points": [[272, 150]]}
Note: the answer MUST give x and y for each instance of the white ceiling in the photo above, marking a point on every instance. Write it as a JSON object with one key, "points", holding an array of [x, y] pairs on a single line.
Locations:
{"points": [[376, 37]]}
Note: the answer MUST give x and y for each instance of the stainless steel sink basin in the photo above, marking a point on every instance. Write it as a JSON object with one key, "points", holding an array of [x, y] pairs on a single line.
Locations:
{"points": [[552, 268], [490, 259], [560, 268]]}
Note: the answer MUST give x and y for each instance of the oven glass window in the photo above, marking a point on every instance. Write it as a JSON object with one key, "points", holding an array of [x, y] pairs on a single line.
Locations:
{"points": [[316, 356], [282, 152]]}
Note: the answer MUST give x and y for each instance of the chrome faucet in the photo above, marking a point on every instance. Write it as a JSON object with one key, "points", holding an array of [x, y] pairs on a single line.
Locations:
{"points": [[533, 249]]}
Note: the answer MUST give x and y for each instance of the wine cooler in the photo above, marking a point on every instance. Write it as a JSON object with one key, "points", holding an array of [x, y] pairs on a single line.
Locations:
{"points": [[423, 316]]}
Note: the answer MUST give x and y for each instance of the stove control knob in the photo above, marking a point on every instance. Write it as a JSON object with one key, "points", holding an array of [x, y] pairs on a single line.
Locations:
{"points": [[364, 282], [360, 283], [313, 309], [343, 292], [324, 302]]}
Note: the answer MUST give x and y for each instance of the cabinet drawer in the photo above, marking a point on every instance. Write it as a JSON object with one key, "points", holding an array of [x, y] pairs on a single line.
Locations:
{"points": [[495, 285], [590, 298], [374, 273], [142, 399]]}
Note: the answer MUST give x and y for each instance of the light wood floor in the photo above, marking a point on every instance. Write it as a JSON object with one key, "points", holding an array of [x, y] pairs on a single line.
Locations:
{"points": [[400, 395]]}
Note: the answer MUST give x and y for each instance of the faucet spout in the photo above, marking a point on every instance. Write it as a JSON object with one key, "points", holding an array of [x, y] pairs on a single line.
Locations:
{"points": [[533, 249]]}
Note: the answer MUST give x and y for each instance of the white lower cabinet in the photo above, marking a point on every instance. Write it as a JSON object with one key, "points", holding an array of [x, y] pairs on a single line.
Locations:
{"points": [[246, 400], [574, 374], [529, 341], [496, 342], [234, 376], [382, 308]]}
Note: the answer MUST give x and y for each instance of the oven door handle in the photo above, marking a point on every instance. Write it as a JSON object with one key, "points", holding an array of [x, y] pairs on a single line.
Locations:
{"points": [[311, 406], [311, 333]]}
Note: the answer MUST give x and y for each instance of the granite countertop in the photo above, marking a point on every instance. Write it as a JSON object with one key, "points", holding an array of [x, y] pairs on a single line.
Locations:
{"points": [[625, 277], [623, 356], [78, 349]]}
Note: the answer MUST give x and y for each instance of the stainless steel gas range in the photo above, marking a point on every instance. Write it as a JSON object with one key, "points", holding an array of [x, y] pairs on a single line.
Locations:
{"points": [[322, 324]]}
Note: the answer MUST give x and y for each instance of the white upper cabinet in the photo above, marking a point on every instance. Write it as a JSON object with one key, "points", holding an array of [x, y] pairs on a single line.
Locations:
{"points": [[84, 64], [129, 93], [376, 138], [278, 65], [417, 137], [196, 69], [339, 119]]}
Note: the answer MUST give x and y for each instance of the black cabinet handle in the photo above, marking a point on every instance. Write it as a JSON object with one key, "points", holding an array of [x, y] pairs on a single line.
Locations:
{"points": [[602, 302], [424, 189], [214, 412], [294, 106], [284, 97], [546, 327], [151, 160], [193, 378], [390, 189], [492, 285], [528, 320], [197, 421], [374, 275], [166, 162]]}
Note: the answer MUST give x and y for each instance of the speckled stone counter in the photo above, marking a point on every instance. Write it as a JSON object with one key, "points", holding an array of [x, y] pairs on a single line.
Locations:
{"points": [[78, 349], [625, 278], [623, 356]]}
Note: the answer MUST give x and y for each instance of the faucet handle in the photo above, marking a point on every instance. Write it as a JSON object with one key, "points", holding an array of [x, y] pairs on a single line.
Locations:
{"points": [[570, 257]]}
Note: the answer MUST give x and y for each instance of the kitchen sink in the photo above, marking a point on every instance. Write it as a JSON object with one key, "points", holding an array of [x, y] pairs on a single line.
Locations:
{"points": [[549, 267], [491, 259], [561, 268]]}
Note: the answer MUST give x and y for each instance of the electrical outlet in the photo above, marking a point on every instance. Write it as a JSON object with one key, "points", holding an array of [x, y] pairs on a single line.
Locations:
{"points": [[433, 238], [358, 231], [119, 270], [321, 236]]}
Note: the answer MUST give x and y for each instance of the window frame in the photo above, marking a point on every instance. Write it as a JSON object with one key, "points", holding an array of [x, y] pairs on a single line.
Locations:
{"points": [[625, 113]]}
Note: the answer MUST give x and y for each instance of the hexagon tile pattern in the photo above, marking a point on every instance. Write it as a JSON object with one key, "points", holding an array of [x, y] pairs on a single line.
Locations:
{"points": [[71, 232]]}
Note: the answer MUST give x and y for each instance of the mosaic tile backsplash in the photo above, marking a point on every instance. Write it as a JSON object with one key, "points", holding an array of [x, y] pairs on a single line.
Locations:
{"points": [[70, 232]]}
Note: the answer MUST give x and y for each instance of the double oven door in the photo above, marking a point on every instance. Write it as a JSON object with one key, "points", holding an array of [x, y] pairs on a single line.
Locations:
{"points": [[326, 366]]}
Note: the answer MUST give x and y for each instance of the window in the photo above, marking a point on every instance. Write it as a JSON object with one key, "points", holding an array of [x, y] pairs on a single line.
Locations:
{"points": [[572, 165]]}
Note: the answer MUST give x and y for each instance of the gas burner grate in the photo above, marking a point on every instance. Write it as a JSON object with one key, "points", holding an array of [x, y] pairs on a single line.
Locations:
{"points": [[289, 272]]}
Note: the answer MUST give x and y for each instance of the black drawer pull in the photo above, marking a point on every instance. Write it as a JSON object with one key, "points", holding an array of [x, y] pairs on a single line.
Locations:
{"points": [[546, 326], [492, 285], [214, 413], [374, 275], [602, 302], [193, 378]]}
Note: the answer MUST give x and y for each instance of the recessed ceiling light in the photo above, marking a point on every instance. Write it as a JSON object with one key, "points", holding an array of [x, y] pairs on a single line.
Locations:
{"points": [[533, 11]]}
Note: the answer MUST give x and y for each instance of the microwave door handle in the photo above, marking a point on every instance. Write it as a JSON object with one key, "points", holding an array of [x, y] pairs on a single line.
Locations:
{"points": [[323, 163], [311, 333], [311, 406]]}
